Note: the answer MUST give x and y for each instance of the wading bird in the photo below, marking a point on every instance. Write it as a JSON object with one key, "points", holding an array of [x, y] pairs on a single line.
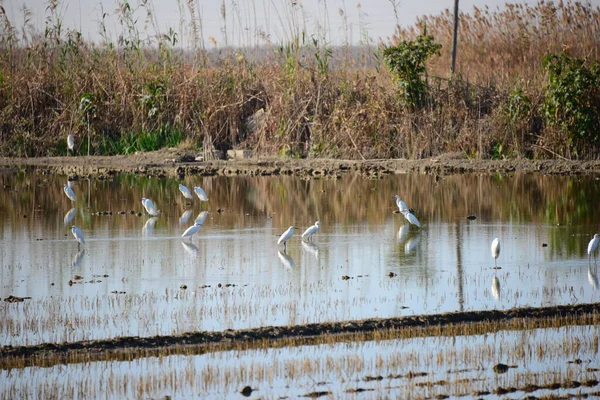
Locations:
{"points": [[411, 218], [200, 193], [69, 192], [495, 250], [186, 192], [78, 236], [285, 236], [70, 143], [189, 232], [150, 207], [592, 246], [310, 231], [401, 205]]}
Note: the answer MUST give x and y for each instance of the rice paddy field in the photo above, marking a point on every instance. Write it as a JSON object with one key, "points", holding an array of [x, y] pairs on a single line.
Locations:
{"points": [[136, 277]]}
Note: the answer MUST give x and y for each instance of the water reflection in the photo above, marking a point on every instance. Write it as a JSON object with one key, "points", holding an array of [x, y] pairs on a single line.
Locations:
{"points": [[411, 244], [185, 217], [191, 249], [496, 288], [69, 216], [148, 227], [77, 258], [592, 278], [311, 248], [440, 265], [286, 260], [201, 217]]}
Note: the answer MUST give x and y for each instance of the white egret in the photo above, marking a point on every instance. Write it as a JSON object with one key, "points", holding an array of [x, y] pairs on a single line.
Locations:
{"points": [[401, 205], [78, 236], [189, 232], [70, 193], [496, 288], [285, 236], [70, 143], [200, 193], [185, 191], [310, 231], [150, 207], [286, 260], [201, 217], [593, 245], [69, 216], [411, 218], [495, 250]]}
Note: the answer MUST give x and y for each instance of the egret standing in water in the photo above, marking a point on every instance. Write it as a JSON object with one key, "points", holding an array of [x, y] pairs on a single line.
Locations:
{"points": [[189, 232], [150, 207], [310, 231], [495, 250], [401, 205], [78, 236], [200, 193], [70, 193], [70, 143], [592, 246], [411, 218], [285, 236], [186, 192]]}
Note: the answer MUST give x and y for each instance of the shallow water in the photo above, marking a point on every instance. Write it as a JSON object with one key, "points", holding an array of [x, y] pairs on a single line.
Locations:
{"points": [[422, 367], [132, 267]]}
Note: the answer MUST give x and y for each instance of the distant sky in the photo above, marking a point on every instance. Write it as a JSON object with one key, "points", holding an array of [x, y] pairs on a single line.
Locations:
{"points": [[245, 19]]}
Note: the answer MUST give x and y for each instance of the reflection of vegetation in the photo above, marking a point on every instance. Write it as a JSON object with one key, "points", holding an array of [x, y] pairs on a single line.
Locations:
{"points": [[521, 199]]}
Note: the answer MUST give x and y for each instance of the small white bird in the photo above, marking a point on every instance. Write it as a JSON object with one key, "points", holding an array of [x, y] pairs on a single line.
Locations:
{"points": [[70, 143], [185, 191], [150, 207], [411, 218], [285, 236], [78, 236], [200, 193], [401, 205], [310, 231], [70, 193], [189, 232], [495, 250], [593, 245]]}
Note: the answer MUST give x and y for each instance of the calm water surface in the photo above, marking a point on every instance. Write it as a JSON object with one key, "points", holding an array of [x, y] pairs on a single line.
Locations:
{"points": [[133, 267]]}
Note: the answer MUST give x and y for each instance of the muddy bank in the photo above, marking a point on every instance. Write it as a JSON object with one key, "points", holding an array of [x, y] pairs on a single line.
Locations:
{"points": [[455, 323], [180, 163]]}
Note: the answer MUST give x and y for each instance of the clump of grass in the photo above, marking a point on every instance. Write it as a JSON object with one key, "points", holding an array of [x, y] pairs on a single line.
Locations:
{"points": [[138, 94]]}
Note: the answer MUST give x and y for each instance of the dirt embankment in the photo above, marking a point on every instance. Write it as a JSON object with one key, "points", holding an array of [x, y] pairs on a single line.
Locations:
{"points": [[454, 323], [180, 163]]}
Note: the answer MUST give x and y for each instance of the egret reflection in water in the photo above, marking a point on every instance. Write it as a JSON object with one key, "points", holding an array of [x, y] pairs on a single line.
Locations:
{"points": [[286, 260], [310, 248], [185, 217], [201, 217], [77, 258], [148, 227], [592, 278], [496, 288], [70, 215], [191, 249], [411, 244], [403, 233]]}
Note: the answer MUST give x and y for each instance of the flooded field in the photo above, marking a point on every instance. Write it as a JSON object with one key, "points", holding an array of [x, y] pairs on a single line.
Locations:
{"points": [[135, 276], [505, 364]]}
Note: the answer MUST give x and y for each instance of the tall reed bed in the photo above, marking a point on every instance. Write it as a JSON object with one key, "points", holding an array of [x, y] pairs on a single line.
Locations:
{"points": [[300, 98]]}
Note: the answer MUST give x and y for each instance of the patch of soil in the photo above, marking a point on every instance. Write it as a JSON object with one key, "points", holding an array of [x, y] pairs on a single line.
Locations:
{"points": [[175, 163]]}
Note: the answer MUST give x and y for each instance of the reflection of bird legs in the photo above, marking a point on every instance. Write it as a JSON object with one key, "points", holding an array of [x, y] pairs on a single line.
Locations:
{"points": [[78, 246], [285, 247]]}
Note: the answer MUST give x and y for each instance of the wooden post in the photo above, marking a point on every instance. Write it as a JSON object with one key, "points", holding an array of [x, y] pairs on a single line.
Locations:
{"points": [[454, 37]]}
